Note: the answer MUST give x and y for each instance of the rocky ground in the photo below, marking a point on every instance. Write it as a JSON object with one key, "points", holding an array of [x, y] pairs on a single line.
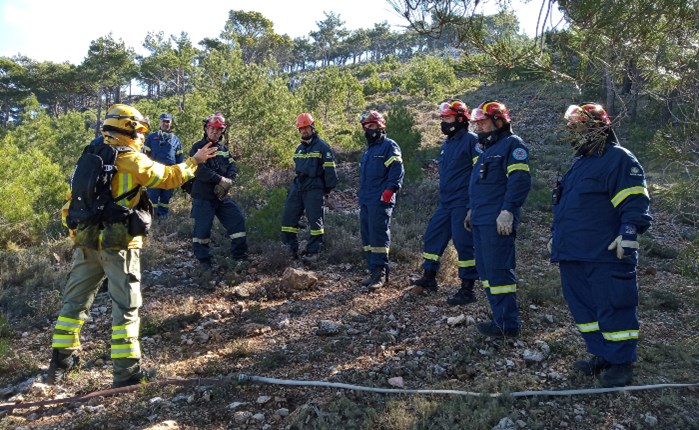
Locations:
{"points": [[277, 317]]}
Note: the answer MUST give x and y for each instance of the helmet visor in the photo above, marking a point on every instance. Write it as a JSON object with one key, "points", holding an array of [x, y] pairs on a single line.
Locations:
{"points": [[478, 115]]}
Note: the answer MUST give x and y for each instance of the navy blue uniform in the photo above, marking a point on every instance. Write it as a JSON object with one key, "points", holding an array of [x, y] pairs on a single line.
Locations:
{"points": [[598, 195], [315, 177], [205, 204], [164, 148], [456, 162], [500, 181], [381, 168]]}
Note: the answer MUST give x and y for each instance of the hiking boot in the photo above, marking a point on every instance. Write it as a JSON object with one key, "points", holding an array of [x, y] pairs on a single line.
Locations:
{"points": [[378, 278], [428, 283], [311, 258], [618, 375], [490, 329], [206, 264], [142, 376], [592, 366], [60, 365], [465, 294]]}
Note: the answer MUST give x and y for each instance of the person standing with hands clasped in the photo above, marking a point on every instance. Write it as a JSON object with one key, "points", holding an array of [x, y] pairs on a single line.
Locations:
{"points": [[500, 183], [455, 165], [599, 207], [210, 198], [315, 178], [380, 177], [164, 147]]}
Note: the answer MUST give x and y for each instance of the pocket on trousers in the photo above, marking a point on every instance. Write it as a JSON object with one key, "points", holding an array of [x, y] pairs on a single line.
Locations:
{"points": [[624, 290]]}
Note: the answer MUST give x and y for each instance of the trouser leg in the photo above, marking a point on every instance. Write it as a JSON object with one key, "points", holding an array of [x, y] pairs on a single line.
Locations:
{"points": [[83, 282], [164, 205], [379, 235], [364, 231], [233, 221], [498, 263], [123, 269], [436, 239], [203, 214], [313, 202], [293, 209], [463, 242]]}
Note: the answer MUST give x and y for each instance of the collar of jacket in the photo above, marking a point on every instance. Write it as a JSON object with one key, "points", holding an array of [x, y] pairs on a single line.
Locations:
{"points": [[118, 139]]}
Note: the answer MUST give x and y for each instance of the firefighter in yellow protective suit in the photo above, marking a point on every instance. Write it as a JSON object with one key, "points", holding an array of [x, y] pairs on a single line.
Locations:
{"points": [[108, 250]]}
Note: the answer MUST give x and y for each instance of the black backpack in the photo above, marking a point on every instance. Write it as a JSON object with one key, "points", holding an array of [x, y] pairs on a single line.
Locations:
{"points": [[91, 187]]}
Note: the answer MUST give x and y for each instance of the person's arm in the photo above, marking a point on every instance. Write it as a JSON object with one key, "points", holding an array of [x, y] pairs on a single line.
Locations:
{"points": [[329, 173], [519, 180]]}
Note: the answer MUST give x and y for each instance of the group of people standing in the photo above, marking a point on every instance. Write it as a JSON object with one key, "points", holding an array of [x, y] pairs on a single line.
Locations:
{"points": [[600, 206]]}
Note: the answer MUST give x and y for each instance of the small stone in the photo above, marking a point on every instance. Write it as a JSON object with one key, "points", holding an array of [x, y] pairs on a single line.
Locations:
{"points": [[505, 424], [651, 420], [258, 417], [530, 356], [396, 382], [263, 399], [548, 318], [432, 309], [454, 321], [282, 412], [521, 423], [578, 418], [242, 416], [155, 400], [328, 328], [235, 405]]}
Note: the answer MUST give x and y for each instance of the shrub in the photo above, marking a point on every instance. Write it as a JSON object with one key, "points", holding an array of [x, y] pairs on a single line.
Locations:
{"points": [[265, 222], [400, 126]]}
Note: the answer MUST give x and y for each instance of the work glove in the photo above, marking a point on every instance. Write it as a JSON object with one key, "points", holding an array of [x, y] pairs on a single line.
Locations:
{"points": [[504, 222], [387, 195], [626, 242], [221, 189], [467, 221]]}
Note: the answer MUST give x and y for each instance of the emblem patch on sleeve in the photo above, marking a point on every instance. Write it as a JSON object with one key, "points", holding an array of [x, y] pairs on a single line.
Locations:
{"points": [[519, 154]]}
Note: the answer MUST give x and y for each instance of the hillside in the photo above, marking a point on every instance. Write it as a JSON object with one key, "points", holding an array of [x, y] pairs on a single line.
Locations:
{"points": [[225, 322]]}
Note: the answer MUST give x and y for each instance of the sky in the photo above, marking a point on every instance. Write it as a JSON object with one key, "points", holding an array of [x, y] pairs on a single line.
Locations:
{"points": [[59, 31]]}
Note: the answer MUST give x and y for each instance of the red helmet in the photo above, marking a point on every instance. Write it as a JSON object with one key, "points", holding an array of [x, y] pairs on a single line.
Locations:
{"points": [[304, 120], [372, 116], [215, 120], [585, 112], [454, 107], [491, 109]]}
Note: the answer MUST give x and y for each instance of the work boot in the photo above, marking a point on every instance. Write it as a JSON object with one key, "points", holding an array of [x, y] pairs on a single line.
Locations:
{"points": [[379, 277], [490, 329], [428, 282], [142, 376], [311, 258], [618, 375], [592, 366], [60, 365], [465, 294]]}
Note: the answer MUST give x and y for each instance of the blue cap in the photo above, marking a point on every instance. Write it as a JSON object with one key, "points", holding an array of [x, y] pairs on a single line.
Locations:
{"points": [[166, 117]]}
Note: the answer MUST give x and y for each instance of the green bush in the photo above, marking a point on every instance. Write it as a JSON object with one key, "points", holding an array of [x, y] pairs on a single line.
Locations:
{"points": [[400, 126], [265, 222], [431, 77], [374, 84]]}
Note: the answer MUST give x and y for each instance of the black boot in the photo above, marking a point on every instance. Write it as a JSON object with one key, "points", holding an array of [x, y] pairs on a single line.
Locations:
{"points": [[465, 294], [592, 366], [428, 281], [60, 365], [142, 376], [378, 278], [618, 375], [490, 329]]}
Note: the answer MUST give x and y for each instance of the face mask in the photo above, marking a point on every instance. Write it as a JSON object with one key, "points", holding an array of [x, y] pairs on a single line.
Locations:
{"points": [[371, 135], [449, 128], [487, 138]]}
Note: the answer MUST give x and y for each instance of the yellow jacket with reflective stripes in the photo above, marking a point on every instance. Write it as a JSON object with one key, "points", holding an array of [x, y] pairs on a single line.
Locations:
{"points": [[133, 169]]}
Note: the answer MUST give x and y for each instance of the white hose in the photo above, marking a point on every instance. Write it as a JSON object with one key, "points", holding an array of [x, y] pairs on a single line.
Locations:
{"points": [[252, 378]]}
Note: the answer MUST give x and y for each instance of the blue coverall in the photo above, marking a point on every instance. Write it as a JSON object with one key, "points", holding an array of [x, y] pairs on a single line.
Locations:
{"points": [[205, 204], [164, 148], [315, 177], [500, 181], [598, 195], [381, 168], [456, 162]]}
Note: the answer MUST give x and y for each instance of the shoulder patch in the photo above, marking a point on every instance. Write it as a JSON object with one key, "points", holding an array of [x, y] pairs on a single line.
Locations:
{"points": [[635, 171], [519, 154]]}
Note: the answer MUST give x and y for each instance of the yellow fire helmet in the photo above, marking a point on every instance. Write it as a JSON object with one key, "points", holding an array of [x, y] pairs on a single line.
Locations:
{"points": [[125, 119]]}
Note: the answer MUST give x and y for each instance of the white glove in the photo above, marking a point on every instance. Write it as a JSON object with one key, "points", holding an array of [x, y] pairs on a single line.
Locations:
{"points": [[467, 221], [504, 222], [619, 244], [549, 245]]}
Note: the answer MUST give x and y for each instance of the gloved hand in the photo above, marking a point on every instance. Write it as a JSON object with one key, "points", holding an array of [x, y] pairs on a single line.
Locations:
{"points": [[504, 222], [626, 242], [225, 183], [387, 196], [467, 221], [219, 191]]}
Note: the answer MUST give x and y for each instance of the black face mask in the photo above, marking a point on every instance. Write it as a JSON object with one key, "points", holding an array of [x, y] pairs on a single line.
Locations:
{"points": [[488, 138], [371, 135], [450, 128]]}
